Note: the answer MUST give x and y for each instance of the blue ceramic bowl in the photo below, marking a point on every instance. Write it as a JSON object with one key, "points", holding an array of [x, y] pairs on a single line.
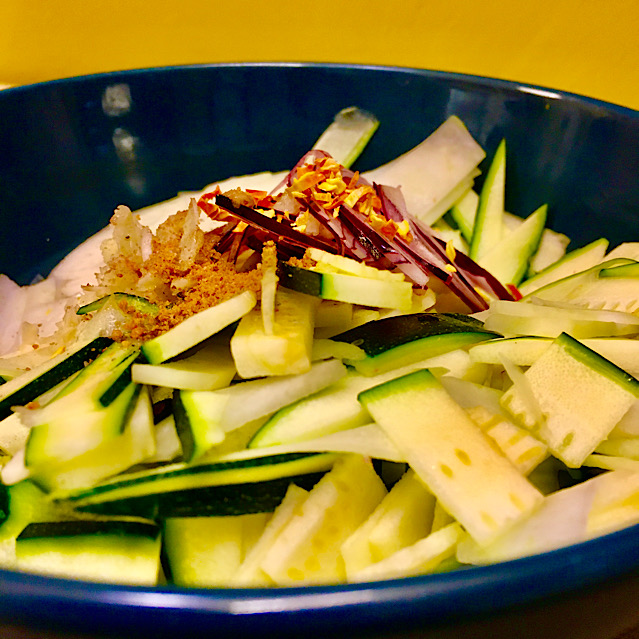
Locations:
{"points": [[61, 175]]}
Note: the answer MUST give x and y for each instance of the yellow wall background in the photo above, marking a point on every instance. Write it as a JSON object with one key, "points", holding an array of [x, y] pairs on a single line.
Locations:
{"points": [[585, 46]]}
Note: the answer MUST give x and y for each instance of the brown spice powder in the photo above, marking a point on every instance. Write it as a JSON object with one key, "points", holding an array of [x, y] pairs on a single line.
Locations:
{"points": [[177, 291], [210, 283]]}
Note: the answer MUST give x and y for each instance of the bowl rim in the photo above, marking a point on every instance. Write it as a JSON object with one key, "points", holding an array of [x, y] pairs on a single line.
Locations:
{"points": [[461, 593], [487, 80]]}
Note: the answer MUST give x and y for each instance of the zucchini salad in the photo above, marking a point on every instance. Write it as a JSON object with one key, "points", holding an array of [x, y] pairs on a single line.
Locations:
{"points": [[320, 376]]}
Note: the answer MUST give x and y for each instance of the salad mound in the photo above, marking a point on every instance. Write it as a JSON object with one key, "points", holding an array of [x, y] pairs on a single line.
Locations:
{"points": [[321, 376], [178, 269]]}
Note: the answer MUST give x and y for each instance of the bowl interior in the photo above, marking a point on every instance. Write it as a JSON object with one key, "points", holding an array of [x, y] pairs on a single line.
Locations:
{"points": [[75, 149]]}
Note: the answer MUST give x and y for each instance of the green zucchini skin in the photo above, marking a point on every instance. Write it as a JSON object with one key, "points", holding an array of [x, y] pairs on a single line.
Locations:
{"points": [[116, 359], [211, 501], [180, 477], [82, 527], [63, 431], [24, 503], [300, 279], [347, 287], [145, 507], [136, 302], [386, 334], [53, 376], [182, 426], [5, 503], [122, 381], [108, 551], [404, 340]]}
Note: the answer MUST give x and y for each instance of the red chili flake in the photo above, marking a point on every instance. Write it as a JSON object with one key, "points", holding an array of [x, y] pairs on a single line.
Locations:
{"points": [[262, 198], [206, 204], [325, 198], [307, 181], [354, 180], [514, 291]]}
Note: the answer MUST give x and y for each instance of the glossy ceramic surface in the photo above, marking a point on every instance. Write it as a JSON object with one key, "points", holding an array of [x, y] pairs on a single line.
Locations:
{"points": [[543, 43], [73, 150]]}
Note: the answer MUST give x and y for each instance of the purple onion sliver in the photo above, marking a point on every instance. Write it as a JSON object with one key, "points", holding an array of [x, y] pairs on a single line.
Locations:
{"points": [[276, 229]]}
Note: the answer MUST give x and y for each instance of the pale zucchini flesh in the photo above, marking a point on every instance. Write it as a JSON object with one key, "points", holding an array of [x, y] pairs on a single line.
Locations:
{"points": [[347, 136], [249, 572], [422, 557], [459, 465], [432, 170], [571, 263], [508, 259], [580, 396], [550, 320], [210, 368], [205, 417], [488, 225], [287, 348], [403, 517], [207, 552], [197, 328], [307, 549]]}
